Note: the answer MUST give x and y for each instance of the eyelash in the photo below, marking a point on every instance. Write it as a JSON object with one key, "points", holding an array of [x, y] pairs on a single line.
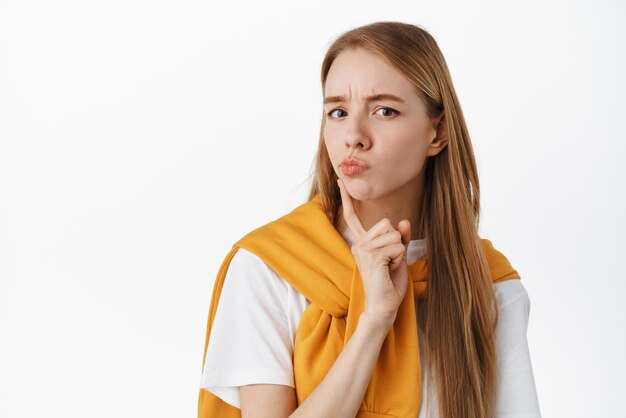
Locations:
{"points": [[388, 108]]}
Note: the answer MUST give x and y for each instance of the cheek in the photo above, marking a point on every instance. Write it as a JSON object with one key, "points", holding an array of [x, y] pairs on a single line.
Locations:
{"points": [[333, 146], [406, 158]]}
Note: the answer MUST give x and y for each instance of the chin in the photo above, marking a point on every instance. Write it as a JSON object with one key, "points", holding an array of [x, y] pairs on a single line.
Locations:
{"points": [[361, 189]]}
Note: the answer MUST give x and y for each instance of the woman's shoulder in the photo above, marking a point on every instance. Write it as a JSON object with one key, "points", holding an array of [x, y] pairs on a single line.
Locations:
{"points": [[509, 292], [249, 274], [246, 263]]}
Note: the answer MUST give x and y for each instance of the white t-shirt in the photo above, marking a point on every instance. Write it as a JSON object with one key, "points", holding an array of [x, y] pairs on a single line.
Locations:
{"points": [[258, 314]]}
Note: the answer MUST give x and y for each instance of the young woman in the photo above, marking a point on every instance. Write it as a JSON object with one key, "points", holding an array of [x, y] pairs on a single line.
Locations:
{"points": [[377, 297]]}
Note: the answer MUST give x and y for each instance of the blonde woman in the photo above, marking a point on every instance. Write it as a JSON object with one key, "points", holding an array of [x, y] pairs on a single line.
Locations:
{"points": [[376, 297]]}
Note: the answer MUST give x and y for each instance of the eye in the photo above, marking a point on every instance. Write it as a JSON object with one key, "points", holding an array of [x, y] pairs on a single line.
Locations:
{"points": [[331, 112], [388, 108]]}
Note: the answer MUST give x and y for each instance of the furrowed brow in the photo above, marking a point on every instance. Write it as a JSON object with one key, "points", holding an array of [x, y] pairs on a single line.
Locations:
{"points": [[372, 98]]}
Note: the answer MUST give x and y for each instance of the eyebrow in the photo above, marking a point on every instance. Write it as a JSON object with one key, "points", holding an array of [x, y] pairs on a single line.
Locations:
{"points": [[372, 98]]}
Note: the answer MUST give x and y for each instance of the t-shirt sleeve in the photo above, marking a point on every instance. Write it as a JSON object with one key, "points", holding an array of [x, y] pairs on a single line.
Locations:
{"points": [[517, 395], [250, 341]]}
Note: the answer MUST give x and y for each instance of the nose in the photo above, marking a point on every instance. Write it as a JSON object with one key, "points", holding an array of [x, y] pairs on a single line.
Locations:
{"points": [[356, 134]]}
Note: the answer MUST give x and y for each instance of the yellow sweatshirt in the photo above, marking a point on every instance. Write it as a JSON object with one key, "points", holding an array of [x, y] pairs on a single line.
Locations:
{"points": [[304, 248]]}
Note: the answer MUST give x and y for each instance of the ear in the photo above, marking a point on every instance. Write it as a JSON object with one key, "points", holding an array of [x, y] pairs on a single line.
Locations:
{"points": [[440, 140]]}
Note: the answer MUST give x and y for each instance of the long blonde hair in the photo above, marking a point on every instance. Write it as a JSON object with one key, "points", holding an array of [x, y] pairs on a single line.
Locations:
{"points": [[461, 305]]}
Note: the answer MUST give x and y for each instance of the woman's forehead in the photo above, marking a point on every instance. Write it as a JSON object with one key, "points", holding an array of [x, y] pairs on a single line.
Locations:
{"points": [[362, 75]]}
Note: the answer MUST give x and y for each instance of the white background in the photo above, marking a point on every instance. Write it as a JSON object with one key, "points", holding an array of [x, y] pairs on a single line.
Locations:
{"points": [[140, 139]]}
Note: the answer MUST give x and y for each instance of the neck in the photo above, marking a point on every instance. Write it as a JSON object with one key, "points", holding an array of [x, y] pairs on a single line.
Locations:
{"points": [[403, 203]]}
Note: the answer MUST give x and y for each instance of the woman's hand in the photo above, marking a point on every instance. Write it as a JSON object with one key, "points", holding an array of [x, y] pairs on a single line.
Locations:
{"points": [[380, 255]]}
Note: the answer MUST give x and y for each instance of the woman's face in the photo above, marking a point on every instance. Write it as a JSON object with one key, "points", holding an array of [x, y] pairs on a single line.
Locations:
{"points": [[392, 138]]}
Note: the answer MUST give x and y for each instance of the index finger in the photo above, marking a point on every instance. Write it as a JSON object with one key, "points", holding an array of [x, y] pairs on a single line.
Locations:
{"points": [[353, 221]]}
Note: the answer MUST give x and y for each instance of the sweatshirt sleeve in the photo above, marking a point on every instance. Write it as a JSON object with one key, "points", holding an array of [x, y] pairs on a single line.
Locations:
{"points": [[250, 340], [517, 395]]}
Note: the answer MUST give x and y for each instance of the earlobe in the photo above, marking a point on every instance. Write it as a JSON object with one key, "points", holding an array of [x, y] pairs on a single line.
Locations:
{"points": [[443, 142], [436, 146], [438, 143]]}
